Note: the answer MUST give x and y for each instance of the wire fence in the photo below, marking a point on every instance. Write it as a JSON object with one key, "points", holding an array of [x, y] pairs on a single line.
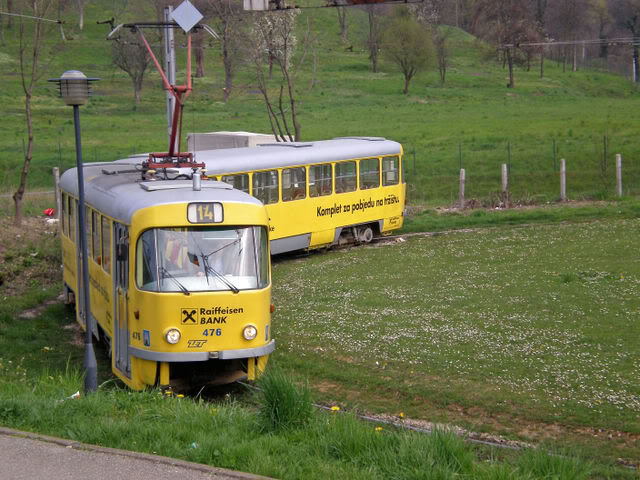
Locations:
{"points": [[433, 171], [533, 168]]}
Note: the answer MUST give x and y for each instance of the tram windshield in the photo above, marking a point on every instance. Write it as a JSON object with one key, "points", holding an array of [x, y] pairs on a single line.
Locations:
{"points": [[198, 259]]}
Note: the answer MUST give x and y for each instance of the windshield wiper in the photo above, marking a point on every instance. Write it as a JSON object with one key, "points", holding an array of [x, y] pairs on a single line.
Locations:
{"points": [[164, 273], [209, 269], [222, 247]]}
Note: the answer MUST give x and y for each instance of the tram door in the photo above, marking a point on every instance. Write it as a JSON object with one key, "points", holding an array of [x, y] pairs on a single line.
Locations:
{"points": [[121, 297], [79, 277]]}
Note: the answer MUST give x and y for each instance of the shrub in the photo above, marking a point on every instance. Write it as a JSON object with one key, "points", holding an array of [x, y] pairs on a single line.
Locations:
{"points": [[283, 405]]}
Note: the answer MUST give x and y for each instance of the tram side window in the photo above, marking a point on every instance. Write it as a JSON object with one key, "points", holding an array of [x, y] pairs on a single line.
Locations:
{"points": [[320, 180], [294, 184], [89, 230], [346, 177], [106, 244], [239, 181], [72, 219], [369, 173], [95, 246], [390, 170], [265, 186], [63, 215]]}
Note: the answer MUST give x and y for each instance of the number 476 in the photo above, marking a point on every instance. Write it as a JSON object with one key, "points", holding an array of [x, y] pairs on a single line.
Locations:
{"points": [[212, 332]]}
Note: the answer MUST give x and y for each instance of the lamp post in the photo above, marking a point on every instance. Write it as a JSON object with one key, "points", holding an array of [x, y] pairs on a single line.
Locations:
{"points": [[74, 90]]}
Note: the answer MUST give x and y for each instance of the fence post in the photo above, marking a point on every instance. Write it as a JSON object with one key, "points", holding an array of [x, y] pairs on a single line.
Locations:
{"points": [[618, 174], [56, 190], [461, 197], [505, 186], [563, 180]]}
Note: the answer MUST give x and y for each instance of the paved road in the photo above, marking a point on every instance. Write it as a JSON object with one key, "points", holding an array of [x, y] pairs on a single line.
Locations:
{"points": [[30, 456]]}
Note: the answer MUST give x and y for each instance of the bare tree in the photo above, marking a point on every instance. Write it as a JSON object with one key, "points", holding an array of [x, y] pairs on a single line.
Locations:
{"points": [[230, 24], [627, 15], [407, 44], [274, 42], [506, 23], [570, 17], [430, 13], [130, 55], [600, 13], [373, 39], [32, 39], [540, 25]]}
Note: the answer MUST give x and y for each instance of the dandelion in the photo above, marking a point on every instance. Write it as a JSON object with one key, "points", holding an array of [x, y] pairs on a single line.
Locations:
{"points": [[401, 415], [378, 429], [335, 409], [180, 395]]}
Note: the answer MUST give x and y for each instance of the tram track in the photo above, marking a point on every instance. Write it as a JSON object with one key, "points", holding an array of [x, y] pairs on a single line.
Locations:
{"points": [[427, 428]]}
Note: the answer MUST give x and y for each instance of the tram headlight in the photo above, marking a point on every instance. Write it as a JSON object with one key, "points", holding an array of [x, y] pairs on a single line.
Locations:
{"points": [[249, 332], [172, 336]]}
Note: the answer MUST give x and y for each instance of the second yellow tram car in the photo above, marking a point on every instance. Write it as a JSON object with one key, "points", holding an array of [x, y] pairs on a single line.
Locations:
{"points": [[319, 193], [179, 273]]}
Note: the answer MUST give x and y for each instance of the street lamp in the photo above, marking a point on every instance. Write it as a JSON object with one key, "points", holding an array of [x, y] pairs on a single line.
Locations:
{"points": [[75, 89]]}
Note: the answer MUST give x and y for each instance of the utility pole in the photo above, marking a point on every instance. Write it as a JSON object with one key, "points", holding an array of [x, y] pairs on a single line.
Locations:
{"points": [[169, 68]]}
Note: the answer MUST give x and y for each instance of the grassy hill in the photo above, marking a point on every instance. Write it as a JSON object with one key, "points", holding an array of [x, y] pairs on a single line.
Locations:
{"points": [[472, 121]]}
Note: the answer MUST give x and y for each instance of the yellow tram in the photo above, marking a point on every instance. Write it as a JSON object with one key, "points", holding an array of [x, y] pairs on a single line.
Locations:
{"points": [[319, 193], [179, 273]]}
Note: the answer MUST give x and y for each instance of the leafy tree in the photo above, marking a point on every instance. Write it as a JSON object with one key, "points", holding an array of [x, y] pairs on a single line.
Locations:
{"points": [[407, 44]]}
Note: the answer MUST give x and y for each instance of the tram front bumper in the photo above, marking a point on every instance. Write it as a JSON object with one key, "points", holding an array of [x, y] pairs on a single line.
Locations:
{"points": [[203, 356]]}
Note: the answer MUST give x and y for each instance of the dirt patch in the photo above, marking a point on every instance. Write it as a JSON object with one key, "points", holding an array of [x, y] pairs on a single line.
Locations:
{"points": [[505, 427], [29, 255], [77, 334], [35, 312]]}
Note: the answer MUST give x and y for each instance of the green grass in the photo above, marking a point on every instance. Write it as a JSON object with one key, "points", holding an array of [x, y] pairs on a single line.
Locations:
{"points": [[438, 219], [526, 331], [470, 122], [493, 330], [228, 435]]}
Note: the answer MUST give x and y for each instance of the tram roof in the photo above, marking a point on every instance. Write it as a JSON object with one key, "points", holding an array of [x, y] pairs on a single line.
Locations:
{"points": [[287, 154], [120, 192]]}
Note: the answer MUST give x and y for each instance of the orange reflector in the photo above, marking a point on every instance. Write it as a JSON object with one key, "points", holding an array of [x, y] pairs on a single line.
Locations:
{"points": [[273, 308]]}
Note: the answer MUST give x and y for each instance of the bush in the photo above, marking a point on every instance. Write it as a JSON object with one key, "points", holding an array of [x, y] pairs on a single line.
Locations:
{"points": [[283, 405]]}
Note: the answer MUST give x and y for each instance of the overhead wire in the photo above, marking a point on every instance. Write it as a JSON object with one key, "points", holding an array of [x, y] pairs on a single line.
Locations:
{"points": [[9, 14]]}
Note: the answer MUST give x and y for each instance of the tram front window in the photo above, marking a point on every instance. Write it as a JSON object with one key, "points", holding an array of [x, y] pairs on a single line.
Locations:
{"points": [[198, 259]]}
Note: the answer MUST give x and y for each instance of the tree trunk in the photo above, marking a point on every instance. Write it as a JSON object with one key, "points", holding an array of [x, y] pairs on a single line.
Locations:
{"points": [[19, 194], [373, 38], [510, 63], [406, 85], [636, 73], [9, 10], [542, 63], [342, 20], [136, 93], [227, 62], [199, 47], [81, 14]]}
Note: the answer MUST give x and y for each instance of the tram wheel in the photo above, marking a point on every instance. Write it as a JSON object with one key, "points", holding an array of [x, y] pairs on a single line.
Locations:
{"points": [[366, 235]]}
